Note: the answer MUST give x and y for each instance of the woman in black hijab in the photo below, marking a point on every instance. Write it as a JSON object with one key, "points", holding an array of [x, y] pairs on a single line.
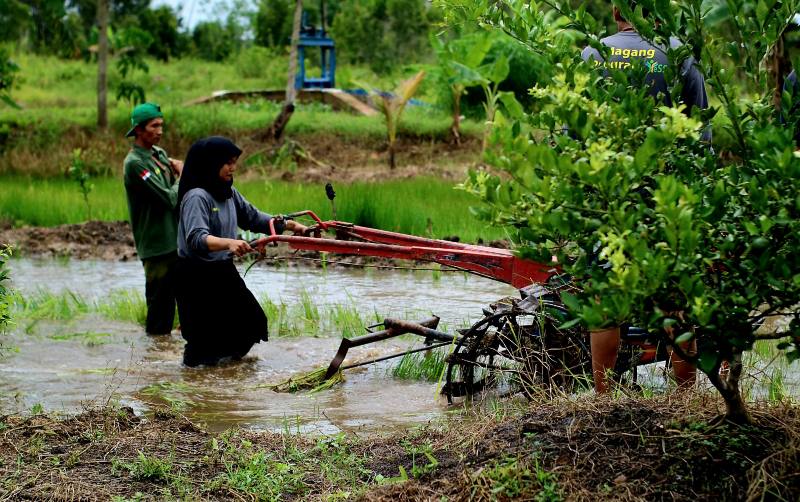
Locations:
{"points": [[220, 317]]}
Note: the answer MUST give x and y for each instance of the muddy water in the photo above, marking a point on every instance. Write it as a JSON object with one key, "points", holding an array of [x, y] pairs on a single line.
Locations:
{"points": [[57, 365]]}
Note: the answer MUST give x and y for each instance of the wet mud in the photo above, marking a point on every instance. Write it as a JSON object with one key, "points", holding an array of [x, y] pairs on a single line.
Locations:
{"points": [[113, 241], [62, 364]]}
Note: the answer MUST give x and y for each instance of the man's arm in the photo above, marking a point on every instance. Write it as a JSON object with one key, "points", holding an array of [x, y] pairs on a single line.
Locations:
{"points": [[694, 92], [141, 176]]}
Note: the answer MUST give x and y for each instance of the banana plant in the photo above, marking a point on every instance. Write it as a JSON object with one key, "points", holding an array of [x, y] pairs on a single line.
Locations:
{"points": [[392, 106], [489, 77], [452, 56]]}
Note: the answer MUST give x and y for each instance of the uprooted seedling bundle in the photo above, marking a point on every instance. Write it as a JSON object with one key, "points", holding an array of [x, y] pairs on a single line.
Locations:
{"points": [[313, 381]]}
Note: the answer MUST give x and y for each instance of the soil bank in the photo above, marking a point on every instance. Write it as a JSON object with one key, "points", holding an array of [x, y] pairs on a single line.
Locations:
{"points": [[592, 448], [113, 240]]}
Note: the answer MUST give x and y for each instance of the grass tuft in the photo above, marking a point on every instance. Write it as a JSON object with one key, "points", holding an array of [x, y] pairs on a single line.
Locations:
{"points": [[146, 468]]}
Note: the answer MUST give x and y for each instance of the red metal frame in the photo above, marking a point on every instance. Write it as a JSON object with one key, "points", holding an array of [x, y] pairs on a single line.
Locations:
{"points": [[498, 264]]}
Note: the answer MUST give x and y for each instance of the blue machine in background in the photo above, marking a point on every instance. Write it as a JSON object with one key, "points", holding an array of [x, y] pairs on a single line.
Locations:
{"points": [[312, 37]]}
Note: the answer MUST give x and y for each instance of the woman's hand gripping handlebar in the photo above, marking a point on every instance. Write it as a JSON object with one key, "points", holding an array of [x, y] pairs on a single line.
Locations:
{"points": [[298, 229]]}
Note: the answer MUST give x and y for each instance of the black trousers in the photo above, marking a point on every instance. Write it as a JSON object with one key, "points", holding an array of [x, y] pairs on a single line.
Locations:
{"points": [[220, 317], [159, 291]]}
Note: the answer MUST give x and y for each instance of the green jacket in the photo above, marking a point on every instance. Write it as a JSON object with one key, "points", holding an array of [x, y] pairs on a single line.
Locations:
{"points": [[152, 191]]}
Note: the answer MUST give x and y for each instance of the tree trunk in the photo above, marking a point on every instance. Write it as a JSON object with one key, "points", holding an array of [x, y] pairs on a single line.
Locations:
{"points": [[778, 64], [275, 131], [102, 63], [455, 128], [728, 387], [391, 156]]}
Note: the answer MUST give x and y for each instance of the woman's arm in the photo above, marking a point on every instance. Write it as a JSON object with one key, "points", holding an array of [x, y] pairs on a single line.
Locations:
{"points": [[296, 228], [235, 246]]}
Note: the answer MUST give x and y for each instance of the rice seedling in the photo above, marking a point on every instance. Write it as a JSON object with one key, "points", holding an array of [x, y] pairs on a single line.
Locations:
{"points": [[280, 319], [310, 311], [172, 393], [347, 320], [88, 338], [124, 305], [312, 381], [428, 365], [777, 391], [46, 305]]}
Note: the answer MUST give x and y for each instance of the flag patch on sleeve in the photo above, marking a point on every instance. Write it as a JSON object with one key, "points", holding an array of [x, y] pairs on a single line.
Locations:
{"points": [[145, 174]]}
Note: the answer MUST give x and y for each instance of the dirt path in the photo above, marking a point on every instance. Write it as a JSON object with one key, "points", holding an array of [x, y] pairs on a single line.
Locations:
{"points": [[103, 240], [591, 449]]}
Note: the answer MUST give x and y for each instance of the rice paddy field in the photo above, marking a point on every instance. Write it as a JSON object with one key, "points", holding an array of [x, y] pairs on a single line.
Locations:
{"points": [[94, 409], [399, 205]]}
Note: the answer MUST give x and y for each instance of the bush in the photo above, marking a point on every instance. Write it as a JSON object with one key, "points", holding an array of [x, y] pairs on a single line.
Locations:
{"points": [[260, 62], [381, 33], [5, 292], [658, 229], [213, 41]]}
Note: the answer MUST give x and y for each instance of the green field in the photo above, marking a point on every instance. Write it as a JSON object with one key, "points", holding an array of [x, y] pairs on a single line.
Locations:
{"points": [[402, 205], [57, 93], [58, 114]]}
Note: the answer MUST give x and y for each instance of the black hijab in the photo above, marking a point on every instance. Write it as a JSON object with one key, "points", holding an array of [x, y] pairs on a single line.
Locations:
{"points": [[203, 162]]}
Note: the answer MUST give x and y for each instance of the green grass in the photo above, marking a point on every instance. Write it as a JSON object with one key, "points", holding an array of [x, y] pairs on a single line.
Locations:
{"points": [[401, 205], [59, 110], [285, 472], [510, 477], [145, 468], [51, 83]]}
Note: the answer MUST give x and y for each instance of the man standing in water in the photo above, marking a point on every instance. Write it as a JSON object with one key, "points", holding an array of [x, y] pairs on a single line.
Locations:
{"points": [[151, 185], [627, 48]]}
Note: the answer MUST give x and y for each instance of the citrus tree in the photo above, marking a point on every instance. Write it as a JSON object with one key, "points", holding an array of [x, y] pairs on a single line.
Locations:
{"points": [[656, 227], [5, 292], [8, 70]]}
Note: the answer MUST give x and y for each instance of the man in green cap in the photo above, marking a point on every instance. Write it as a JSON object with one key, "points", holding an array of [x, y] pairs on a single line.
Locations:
{"points": [[151, 184]]}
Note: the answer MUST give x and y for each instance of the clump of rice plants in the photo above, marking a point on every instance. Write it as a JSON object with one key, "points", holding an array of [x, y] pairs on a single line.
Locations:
{"points": [[347, 320], [777, 388], [310, 311], [428, 365], [42, 305], [280, 318], [125, 306]]}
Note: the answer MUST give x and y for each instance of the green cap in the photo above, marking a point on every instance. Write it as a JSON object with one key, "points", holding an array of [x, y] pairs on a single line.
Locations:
{"points": [[143, 113]]}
